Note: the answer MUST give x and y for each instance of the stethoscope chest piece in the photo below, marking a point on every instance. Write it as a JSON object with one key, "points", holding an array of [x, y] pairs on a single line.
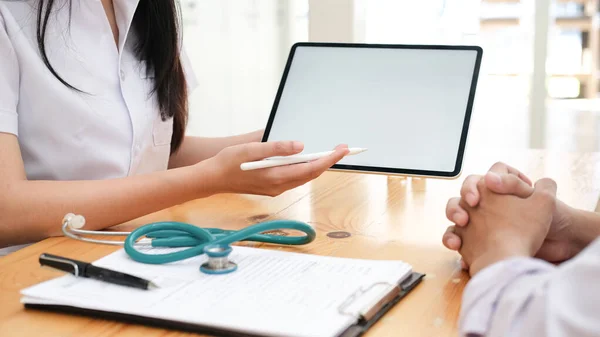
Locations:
{"points": [[218, 261]]}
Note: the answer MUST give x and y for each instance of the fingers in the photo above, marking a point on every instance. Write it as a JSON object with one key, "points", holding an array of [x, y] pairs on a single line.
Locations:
{"points": [[451, 240], [508, 184], [468, 190], [501, 179], [258, 151], [501, 169], [455, 213]]}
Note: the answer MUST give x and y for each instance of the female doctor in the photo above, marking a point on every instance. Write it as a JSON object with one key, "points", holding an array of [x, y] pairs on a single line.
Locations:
{"points": [[93, 111]]}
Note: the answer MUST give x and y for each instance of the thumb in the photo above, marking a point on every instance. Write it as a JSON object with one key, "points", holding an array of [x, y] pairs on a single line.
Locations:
{"points": [[545, 188], [508, 184], [341, 146], [324, 163]]}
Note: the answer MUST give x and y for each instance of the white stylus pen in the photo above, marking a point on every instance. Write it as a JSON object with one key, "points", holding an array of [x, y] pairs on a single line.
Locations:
{"points": [[294, 159]]}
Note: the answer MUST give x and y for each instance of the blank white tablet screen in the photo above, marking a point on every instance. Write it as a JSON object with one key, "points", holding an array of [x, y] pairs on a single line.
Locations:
{"points": [[407, 106]]}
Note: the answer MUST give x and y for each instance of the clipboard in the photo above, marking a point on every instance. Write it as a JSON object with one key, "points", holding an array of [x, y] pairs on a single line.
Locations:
{"points": [[366, 317], [273, 293], [376, 312]]}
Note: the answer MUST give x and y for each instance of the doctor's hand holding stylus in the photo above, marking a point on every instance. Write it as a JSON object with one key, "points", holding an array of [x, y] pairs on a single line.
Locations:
{"points": [[270, 181]]}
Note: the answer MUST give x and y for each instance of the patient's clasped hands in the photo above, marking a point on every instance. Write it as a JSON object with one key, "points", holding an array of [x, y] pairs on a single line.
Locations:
{"points": [[501, 215]]}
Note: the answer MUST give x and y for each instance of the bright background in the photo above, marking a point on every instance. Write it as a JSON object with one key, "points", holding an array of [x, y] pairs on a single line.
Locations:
{"points": [[538, 85]]}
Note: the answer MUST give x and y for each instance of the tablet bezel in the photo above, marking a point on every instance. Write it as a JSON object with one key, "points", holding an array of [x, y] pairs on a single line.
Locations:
{"points": [[384, 170]]}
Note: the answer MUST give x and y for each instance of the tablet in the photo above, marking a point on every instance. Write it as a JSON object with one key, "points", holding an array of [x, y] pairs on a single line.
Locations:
{"points": [[409, 105]]}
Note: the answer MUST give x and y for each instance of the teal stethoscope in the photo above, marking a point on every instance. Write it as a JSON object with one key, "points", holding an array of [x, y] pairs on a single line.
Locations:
{"points": [[213, 242]]}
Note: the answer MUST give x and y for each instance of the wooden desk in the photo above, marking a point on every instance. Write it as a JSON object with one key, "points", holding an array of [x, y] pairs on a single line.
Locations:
{"points": [[388, 218]]}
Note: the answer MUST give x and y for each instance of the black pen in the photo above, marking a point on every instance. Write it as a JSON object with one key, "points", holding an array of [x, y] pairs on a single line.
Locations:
{"points": [[84, 269]]}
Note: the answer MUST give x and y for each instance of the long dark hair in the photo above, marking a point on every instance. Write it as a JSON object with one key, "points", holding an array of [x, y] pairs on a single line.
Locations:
{"points": [[157, 24]]}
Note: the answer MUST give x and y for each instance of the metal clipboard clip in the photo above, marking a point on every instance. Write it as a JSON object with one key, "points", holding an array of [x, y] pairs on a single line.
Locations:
{"points": [[366, 303]]}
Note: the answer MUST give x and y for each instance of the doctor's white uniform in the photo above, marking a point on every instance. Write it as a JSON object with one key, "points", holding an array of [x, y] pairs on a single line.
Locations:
{"points": [[113, 127]]}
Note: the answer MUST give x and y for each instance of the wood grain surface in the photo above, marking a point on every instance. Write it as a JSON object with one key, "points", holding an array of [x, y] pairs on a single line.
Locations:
{"points": [[387, 218]]}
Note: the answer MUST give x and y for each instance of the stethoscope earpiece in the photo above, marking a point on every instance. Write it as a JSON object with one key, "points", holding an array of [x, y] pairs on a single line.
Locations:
{"points": [[74, 221], [72, 228]]}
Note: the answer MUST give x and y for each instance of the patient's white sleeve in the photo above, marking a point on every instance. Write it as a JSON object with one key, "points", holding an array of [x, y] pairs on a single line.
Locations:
{"points": [[522, 297]]}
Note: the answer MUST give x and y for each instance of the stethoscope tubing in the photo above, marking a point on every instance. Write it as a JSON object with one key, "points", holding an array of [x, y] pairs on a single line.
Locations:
{"points": [[76, 234], [163, 234], [204, 237]]}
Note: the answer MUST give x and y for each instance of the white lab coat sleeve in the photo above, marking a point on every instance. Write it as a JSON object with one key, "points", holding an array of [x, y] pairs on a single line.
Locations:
{"points": [[529, 297], [9, 82]]}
